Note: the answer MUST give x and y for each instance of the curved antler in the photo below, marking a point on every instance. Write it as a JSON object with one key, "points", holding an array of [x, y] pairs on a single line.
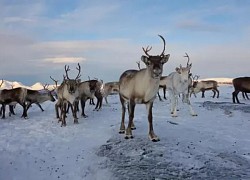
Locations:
{"points": [[56, 81], [164, 44], [79, 71], [188, 58], [66, 68]]}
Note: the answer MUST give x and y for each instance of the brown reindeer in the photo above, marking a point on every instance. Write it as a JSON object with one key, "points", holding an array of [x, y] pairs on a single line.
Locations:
{"points": [[241, 84], [88, 90], [68, 93], [202, 86], [12, 97], [140, 87], [110, 88], [37, 97]]}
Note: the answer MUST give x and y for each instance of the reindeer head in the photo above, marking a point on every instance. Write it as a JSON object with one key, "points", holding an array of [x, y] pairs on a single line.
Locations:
{"points": [[72, 84], [195, 80], [155, 63], [184, 72]]}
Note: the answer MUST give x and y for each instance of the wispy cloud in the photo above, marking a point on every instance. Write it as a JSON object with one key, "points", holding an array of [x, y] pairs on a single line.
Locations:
{"points": [[194, 25], [63, 60]]}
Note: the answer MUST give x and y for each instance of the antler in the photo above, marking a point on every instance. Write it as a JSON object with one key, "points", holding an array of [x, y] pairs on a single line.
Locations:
{"points": [[188, 58], [1, 83], [147, 50], [139, 64], [12, 86], [164, 44], [196, 77], [45, 86], [79, 71], [56, 81], [66, 68]]}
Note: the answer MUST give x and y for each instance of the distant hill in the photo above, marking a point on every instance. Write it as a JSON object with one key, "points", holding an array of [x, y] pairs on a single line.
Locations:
{"points": [[14, 84], [39, 85], [220, 80]]}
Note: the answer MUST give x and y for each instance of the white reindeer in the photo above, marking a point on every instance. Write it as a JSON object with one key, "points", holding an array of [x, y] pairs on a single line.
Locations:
{"points": [[178, 83], [140, 87]]}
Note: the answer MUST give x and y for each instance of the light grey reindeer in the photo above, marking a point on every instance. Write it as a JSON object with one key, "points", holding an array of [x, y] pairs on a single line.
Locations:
{"points": [[68, 93], [178, 83], [141, 87]]}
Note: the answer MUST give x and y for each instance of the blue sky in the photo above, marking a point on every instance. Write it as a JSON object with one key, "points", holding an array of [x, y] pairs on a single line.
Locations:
{"points": [[37, 38]]}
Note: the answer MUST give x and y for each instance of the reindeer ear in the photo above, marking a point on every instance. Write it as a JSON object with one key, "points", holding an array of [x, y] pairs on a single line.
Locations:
{"points": [[145, 59], [178, 70], [165, 58]]}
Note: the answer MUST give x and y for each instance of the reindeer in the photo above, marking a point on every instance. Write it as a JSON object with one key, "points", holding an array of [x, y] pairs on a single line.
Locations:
{"points": [[12, 97], [37, 97], [68, 93], [202, 86], [178, 83], [110, 88], [40, 96], [140, 87], [11, 107], [88, 90], [241, 84]]}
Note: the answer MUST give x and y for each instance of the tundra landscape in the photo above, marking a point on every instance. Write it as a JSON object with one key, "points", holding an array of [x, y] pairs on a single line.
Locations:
{"points": [[212, 145]]}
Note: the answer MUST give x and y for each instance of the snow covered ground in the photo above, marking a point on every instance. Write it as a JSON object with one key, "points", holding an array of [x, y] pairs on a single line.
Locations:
{"points": [[213, 145]]}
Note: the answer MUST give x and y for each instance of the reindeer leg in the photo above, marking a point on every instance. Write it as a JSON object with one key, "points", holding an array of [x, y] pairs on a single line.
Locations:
{"points": [[24, 115], [203, 93], [235, 96], [246, 96], [3, 109], [191, 108], [75, 113], [174, 102], [11, 108], [152, 136], [57, 106], [122, 126], [131, 118], [106, 100], [39, 105], [63, 112], [159, 96], [83, 102], [214, 93], [164, 92], [218, 93]]}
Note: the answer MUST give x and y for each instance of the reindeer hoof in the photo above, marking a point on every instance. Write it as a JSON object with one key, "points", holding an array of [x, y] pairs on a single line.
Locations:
{"points": [[84, 116], [129, 137], [121, 131], [155, 140], [194, 114], [133, 128]]}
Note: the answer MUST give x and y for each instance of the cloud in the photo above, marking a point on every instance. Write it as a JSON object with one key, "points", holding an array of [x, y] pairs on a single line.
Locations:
{"points": [[195, 25], [63, 60]]}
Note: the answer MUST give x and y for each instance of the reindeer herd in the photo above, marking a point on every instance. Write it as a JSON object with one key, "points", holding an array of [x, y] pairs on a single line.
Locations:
{"points": [[134, 87]]}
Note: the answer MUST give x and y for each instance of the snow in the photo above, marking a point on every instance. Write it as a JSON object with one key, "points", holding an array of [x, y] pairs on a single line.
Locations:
{"points": [[213, 145]]}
